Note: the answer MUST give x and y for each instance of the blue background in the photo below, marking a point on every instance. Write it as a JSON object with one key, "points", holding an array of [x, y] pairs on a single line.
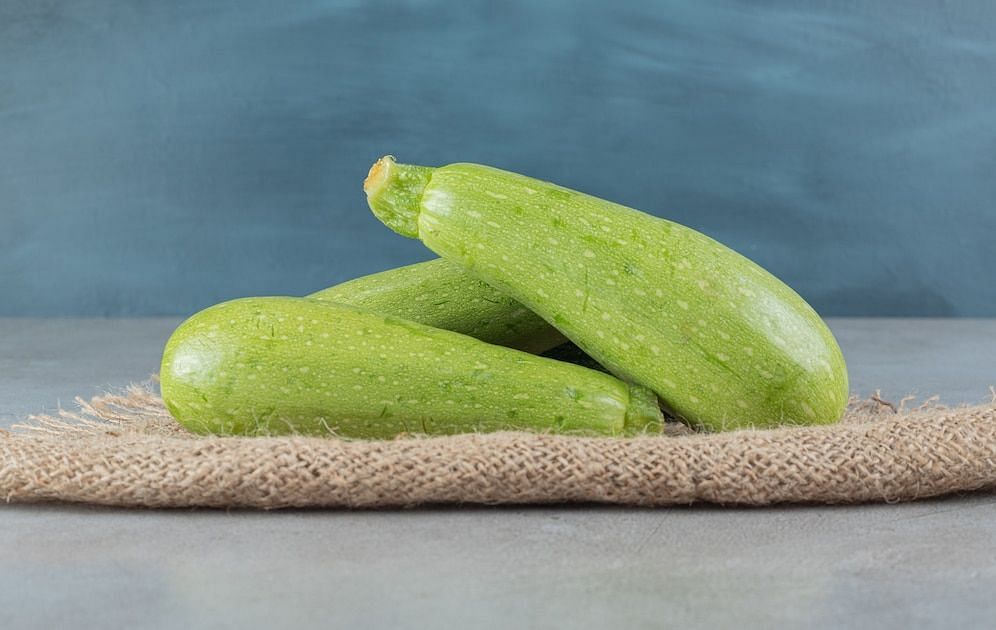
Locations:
{"points": [[156, 157]]}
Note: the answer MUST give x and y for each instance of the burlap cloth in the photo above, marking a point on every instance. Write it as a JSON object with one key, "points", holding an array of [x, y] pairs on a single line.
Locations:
{"points": [[125, 450]]}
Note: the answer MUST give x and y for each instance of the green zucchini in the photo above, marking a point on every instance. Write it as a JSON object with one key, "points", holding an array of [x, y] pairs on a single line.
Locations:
{"points": [[442, 294], [283, 365], [722, 342]]}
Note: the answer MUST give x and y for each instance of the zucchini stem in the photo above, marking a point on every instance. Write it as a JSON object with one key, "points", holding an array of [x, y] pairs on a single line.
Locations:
{"points": [[643, 414], [394, 192]]}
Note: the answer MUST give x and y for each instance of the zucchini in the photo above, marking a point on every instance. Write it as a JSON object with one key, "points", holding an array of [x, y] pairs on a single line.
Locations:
{"points": [[722, 342], [442, 294], [284, 365]]}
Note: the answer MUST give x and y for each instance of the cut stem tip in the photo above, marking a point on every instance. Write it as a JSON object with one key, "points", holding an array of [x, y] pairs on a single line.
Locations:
{"points": [[378, 174]]}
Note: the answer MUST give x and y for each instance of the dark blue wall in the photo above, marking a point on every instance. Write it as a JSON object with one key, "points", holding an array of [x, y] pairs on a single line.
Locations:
{"points": [[156, 157]]}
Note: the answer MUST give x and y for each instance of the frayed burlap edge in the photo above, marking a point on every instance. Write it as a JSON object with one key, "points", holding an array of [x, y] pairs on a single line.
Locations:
{"points": [[125, 450]]}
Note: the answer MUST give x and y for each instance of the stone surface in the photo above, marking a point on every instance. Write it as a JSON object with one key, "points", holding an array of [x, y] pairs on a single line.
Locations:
{"points": [[926, 564]]}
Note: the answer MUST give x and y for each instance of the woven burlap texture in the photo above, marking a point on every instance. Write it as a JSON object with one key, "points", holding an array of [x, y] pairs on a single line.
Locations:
{"points": [[125, 450]]}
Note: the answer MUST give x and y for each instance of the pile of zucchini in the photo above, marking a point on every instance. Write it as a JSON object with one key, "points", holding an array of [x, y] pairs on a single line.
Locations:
{"points": [[679, 322]]}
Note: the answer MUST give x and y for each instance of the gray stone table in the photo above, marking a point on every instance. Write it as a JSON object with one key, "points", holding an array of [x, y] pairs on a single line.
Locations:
{"points": [[931, 563]]}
